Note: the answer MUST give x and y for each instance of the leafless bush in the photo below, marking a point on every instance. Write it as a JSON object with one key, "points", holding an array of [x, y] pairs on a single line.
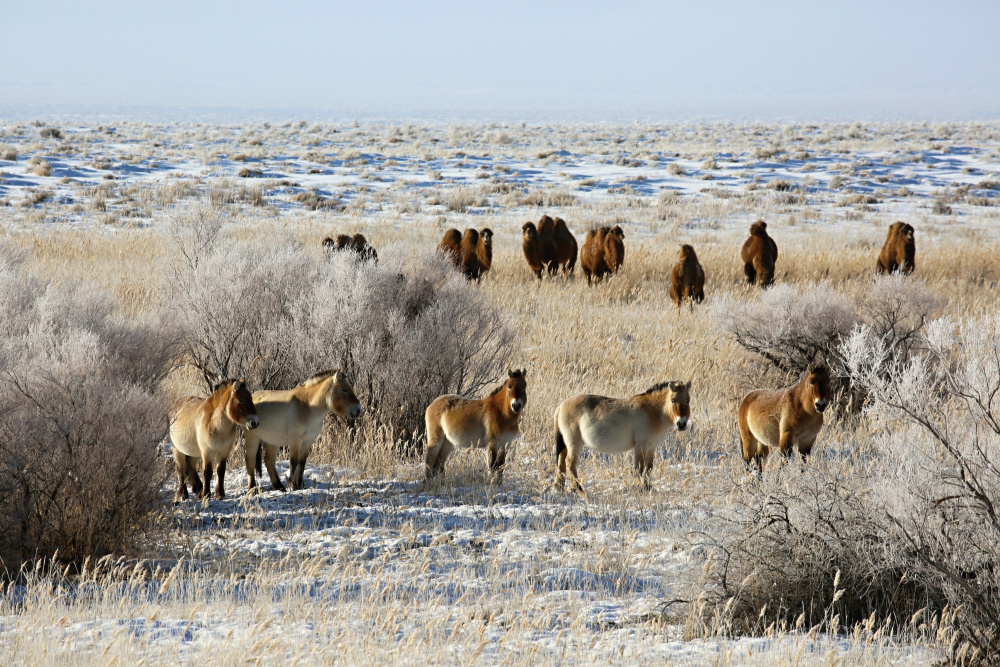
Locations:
{"points": [[39, 167], [50, 133], [797, 549], [8, 153], [404, 330], [79, 421], [939, 435], [790, 328], [460, 199], [785, 326]]}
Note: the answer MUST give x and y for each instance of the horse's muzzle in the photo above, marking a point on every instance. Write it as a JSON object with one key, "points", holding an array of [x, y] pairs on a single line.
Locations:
{"points": [[252, 423], [682, 423], [355, 411], [516, 405], [821, 406]]}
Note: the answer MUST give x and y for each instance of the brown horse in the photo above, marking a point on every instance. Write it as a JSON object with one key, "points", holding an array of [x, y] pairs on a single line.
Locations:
{"points": [[293, 418], [687, 279], [784, 419], [205, 428], [603, 253], [899, 251], [617, 425], [491, 422], [759, 254], [357, 243]]}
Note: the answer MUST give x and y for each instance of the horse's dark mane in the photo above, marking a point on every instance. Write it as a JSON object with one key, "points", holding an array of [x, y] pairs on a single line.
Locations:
{"points": [[222, 385], [657, 387], [316, 378], [503, 384]]}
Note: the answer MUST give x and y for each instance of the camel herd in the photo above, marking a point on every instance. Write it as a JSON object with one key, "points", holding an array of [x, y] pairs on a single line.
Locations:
{"points": [[549, 246]]}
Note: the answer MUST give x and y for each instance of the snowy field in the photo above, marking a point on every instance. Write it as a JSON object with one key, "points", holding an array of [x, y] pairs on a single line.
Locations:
{"points": [[379, 567]]}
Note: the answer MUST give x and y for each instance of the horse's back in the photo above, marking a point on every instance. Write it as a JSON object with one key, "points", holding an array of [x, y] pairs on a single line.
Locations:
{"points": [[279, 419], [462, 419], [605, 424], [183, 419], [761, 411]]}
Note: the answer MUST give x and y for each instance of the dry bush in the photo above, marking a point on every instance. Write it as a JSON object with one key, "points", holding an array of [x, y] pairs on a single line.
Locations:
{"points": [[461, 199], [789, 327], [404, 330], [80, 417], [8, 153], [938, 432], [800, 548], [39, 167], [50, 133]]}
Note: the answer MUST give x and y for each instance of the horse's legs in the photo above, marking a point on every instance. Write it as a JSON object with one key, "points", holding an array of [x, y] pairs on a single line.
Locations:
{"points": [[573, 457], [297, 465], [643, 465], [436, 453], [192, 471], [270, 454], [220, 484], [206, 490], [182, 490], [252, 447], [498, 461], [561, 452]]}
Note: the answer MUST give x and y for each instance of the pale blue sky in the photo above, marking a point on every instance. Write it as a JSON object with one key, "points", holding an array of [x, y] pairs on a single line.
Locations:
{"points": [[650, 59]]}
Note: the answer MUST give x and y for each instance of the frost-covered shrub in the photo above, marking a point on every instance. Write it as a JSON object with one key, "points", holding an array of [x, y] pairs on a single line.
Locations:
{"points": [[799, 548], [788, 327], [404, 330], [938, 432], [79, 421]]}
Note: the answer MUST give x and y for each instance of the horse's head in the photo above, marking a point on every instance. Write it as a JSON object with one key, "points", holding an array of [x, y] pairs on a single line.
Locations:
{"points": [[340, 397], [516, 390], [678, 403], [817, 382], [240, 407]]}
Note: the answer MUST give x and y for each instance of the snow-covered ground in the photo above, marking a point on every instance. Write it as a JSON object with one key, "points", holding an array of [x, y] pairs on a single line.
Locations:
{"points": [[405, 174], [388, 569]]}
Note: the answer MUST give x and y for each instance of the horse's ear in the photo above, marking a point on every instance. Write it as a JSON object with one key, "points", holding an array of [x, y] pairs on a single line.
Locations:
{"points": [[239, 385], [688, 385]]}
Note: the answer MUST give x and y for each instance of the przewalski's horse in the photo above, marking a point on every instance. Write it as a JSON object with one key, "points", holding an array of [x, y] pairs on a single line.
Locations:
{"points": [[293, 418], [617, 425], [784, 419], [491, 422], [205, 428]]}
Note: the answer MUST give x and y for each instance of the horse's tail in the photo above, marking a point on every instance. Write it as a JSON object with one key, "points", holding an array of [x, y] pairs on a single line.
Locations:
{"points": [[260, 458]]}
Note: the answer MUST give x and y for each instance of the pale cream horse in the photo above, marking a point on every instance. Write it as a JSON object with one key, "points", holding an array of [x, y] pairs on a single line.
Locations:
{"points": [[205, 428], [617, 425], [293, 418]]}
